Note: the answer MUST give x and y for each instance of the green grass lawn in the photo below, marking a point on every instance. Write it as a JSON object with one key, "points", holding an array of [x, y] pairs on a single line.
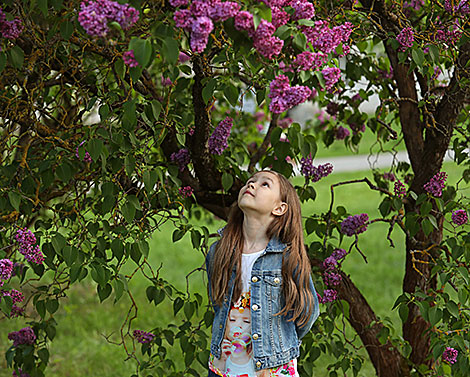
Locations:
{"points": [[80, 347]]}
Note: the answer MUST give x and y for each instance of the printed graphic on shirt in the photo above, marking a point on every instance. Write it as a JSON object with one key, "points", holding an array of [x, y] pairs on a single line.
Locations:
{"points": [[237, 348]]}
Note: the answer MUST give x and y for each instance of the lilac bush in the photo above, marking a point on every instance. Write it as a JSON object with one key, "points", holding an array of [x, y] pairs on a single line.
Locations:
{"points": [[354, 224], [218, 140], [25, 336], [459, 217], [436, 184]]}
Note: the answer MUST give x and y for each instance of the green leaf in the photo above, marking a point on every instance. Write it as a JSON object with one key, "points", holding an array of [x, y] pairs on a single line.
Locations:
{"points": [[117, 248], [64, 173], [70, 255], [42, 5], [66, 29], [41, 308], [231, 93], [434, 52], [150, 178], [118, 289], [385, 207], [16, 56], [128, 211], [15, 199], [135, 202], [418, 56], [43, 354], [95, 146], [3, 61], [227, 181], [188, 309], [426, 207], [52, 306], [104, 292], [129, 164], [427, 226], [177, 305], [453, 309], [58, 242], [6, 303], [170, 50], [403, 311], [156, 108], [142, 50], [208, 90]]}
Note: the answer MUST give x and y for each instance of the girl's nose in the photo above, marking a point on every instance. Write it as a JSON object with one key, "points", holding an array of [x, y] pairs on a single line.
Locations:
{"points": [[251, 185]]}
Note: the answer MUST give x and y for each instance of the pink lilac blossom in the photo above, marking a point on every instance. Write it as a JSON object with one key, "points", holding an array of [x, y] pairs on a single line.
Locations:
{"points": [[26, 239], [6, 270], [341, 133], [399, 189], [166, 81], [276, 3], [10, 29], [259, 126], [284, 97], [16, 312], [456, 6], [315, 173], [325, 39], [178, 3], [143, 337], [356, 128], [181, 157], [414, 4], [199, 8], [385, 74], [218, 140], [224, 10], [329, 295], [279, 17], [183, 19], [436, 184], [264, 42], [95, 15], [86, 157], [339, 254], [405, 38], [309, 60], [129, 59], [303, 9], [330, 263], [331, 76], [244, 21], [200, 31], [459, 217], [183, 57], [450, 355], [355, 224], [332, 108], [185, 191], [24, 336], [332, 278], [20, 373], [15, 295]]}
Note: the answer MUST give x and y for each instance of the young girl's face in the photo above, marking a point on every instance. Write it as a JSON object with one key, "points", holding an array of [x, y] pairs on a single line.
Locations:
{"points": [[239, 324], [262, 194]]}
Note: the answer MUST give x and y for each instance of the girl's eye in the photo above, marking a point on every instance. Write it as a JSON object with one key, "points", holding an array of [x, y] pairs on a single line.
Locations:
{"points": [[247, 321], [265, 184]]}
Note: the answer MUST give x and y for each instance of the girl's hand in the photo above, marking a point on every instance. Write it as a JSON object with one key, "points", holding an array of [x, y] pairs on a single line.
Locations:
{"points": [[262, 373], [226, 349]]}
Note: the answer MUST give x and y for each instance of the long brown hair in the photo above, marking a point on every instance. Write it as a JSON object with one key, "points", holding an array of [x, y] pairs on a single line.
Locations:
{"points": [[296, 269]]}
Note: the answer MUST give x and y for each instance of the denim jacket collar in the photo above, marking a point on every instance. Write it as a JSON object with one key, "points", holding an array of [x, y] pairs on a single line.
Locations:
{"points": [[274, 244]]}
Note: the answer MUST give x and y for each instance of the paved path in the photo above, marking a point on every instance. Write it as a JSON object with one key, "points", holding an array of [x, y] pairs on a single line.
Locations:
{"points": [[365, 162]]}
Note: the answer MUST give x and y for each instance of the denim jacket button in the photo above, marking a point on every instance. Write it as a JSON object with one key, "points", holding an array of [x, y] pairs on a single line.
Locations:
{"points": [[277, 280], [258, 364], [255, 336], [220, 326], [255, 307], [254, 279]]}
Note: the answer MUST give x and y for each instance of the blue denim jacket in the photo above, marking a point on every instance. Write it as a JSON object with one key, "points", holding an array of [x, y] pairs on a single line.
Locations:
{"points": [[275, 340]]}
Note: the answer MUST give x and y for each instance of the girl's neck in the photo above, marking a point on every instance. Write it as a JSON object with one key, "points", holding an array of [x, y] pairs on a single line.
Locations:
{"points": [[254, 234]]}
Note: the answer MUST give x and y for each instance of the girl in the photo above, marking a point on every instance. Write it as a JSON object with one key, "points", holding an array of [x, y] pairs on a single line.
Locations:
{"points": [[261, 265]]}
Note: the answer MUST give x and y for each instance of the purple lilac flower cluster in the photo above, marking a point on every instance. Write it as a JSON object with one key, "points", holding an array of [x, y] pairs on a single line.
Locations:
{"points": [[436, 184], [6, 270], [185, 191], [413, 4], [15, 295], [448, 35], [459, 217], [303, 9], [198, 19], [309, 60], [264, 42], [26, 239], [10, 29], [406, 38], [330, 276], [279, 17], [129, 59], [462, 7], [142, 336], [24, 336], [450, 355], [354, 224], [218, 140], [314, 173], [325, 39], [399, 189], [356, 127], [21, 373], [386, 75], [331, 76], [283, 96], [94, 16], [86, 157], [341, 133], [181, 157], [178, 3]]}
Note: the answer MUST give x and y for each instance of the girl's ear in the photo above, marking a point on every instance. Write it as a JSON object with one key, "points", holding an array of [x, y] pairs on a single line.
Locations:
{"points": [[280, 209]]}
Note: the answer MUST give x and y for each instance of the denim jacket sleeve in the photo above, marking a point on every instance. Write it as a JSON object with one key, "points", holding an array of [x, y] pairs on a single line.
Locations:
{"points": [[302, 331], [209, 256]]}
